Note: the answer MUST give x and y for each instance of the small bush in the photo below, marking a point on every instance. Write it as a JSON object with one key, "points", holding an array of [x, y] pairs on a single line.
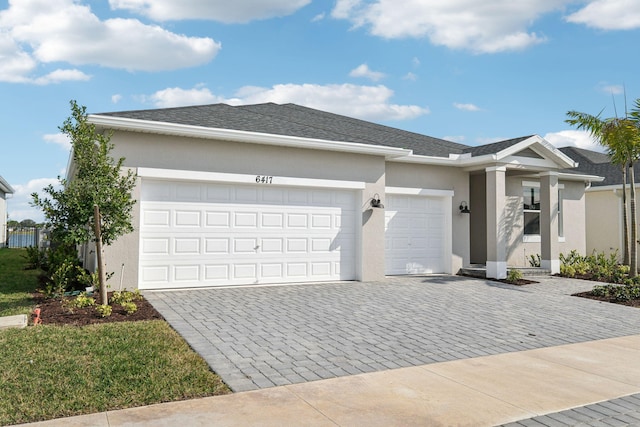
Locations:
{"points": [[104, 310], [36, 257], [130, 307], [514, 276], [534, 260]]}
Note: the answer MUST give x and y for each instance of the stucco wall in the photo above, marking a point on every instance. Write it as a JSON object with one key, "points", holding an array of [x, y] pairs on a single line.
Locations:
{"points": [[191, 154], [439, 178], [573, 208], [604, 221]]}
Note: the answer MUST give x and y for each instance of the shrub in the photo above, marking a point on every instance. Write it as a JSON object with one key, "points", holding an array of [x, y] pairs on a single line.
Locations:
{"points": [[104, 310], [37, 257], [534, 260], [130, 307], [60, 279], [514, 276]]}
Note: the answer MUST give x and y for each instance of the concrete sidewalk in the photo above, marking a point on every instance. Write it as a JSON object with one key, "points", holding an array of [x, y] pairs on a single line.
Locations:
{"points": [[482, 391]]}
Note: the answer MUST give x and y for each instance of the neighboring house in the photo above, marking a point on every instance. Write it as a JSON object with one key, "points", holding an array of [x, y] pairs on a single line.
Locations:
{"points": [[604, 214], [268, 193], [5, 189]]}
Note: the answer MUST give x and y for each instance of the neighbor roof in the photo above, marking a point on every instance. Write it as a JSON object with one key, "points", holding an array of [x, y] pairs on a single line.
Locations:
{"points": [[594, 163]]}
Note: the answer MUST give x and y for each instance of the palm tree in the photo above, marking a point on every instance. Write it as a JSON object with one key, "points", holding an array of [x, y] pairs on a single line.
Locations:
{"points": [[620, 137]]}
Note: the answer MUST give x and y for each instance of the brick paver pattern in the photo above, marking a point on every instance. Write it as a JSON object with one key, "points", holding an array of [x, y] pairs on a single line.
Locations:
{"points": [[622, 412], [258, 337]]}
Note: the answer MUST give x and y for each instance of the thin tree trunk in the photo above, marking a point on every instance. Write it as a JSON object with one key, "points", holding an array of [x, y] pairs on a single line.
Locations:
{"points": [[625, 216], [634, 225], [101, 272]]}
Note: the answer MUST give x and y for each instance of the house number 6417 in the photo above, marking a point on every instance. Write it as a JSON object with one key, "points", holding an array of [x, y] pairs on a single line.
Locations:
{"points": [[263, 179]]}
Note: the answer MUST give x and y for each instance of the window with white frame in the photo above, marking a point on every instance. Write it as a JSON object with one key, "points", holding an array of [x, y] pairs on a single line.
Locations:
{"points": [[531, 209]]}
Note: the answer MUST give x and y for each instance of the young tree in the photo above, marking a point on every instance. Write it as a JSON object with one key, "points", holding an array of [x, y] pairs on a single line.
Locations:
{"points": [[94, 202]]}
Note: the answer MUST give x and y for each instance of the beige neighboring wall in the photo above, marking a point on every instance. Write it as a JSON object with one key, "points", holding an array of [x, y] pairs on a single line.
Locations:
{"points": [[604, 221], [194, 154], [439, 178]]}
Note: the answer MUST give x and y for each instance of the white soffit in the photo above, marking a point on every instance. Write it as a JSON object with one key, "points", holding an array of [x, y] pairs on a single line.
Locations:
{"points": [[147, 126]]}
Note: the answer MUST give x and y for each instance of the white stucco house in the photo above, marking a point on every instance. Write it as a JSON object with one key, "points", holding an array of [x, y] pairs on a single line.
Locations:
{"points": [[5, 189], [603, 201], [268, 193]]}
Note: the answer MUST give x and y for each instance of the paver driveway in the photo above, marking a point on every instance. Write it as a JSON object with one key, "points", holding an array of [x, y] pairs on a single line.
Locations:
{"points": [[257, 337]]}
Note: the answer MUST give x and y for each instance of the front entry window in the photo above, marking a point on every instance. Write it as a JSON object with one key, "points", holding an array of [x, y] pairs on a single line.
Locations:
{"points": [[531, 211]]}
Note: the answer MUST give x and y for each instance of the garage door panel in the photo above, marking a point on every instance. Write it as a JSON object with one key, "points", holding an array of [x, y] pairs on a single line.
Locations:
{"points": [[186, 246], [415, 234], [245, 235]]}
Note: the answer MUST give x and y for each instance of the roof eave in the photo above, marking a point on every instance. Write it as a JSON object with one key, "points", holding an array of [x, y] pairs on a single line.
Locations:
{"points": [[146, 126], [5, 187]]}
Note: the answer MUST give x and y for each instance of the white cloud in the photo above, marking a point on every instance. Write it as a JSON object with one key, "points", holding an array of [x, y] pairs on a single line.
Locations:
{"points": [[19, 206], [116, 98], [610, 89], [573, 138], [466, 107], [59, 76], [34, 32], [455, 138], [410, 76], [177, 97], [236, 11], [319, 17], [609, 15], [365, 102], [486, 26], [59, 139], [363, 70]]}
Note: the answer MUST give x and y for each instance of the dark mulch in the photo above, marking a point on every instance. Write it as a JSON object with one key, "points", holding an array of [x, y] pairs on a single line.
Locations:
{"points": [[520, 282], [53, 312], [630, 303]]}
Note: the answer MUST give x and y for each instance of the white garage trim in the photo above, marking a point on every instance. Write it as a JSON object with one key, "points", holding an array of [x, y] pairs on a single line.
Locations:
{"points": [[236, 178], [419, 191], [424, 220]]}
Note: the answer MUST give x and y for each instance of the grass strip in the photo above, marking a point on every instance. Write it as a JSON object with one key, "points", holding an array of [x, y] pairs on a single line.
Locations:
{"points": [[49, 372], [16, 283]]}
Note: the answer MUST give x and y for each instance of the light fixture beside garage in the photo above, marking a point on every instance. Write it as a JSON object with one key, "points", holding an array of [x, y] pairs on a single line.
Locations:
{"points": [[464, 208], [375, 202]]}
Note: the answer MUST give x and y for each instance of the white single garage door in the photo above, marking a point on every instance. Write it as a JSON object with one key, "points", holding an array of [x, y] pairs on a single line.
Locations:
{"points": [[415, 234], [208, 234]]}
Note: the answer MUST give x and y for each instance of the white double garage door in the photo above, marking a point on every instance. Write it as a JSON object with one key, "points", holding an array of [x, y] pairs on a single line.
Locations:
{"points": [[195, 234]]}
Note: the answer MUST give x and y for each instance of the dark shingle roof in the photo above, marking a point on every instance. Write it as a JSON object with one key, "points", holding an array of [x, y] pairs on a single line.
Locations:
{"points": [[295, 120], [495, 147], [594, 163]]}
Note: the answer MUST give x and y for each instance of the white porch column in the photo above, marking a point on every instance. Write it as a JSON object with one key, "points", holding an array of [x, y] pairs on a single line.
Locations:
{"points": [[550, 249], [496, 236]]}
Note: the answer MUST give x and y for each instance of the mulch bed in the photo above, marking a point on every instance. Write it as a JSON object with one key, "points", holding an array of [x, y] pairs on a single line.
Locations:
{"points": [[630, 303], [520, 282], [53, 312]]}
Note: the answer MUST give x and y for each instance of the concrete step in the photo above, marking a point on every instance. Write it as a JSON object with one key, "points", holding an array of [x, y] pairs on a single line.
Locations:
{"points": [[481, 271], [17, 321]]}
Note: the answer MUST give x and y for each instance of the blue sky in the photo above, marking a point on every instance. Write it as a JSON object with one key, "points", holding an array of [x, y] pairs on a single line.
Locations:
{"points": [[472, 71]]}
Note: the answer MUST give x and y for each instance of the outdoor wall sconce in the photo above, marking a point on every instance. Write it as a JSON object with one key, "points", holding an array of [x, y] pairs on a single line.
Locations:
{"points": [[464, 208], [375, 202]]}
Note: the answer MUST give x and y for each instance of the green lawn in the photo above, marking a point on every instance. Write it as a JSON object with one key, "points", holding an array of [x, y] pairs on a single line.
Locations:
{"points": [[56, 371], [16, 283]]}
